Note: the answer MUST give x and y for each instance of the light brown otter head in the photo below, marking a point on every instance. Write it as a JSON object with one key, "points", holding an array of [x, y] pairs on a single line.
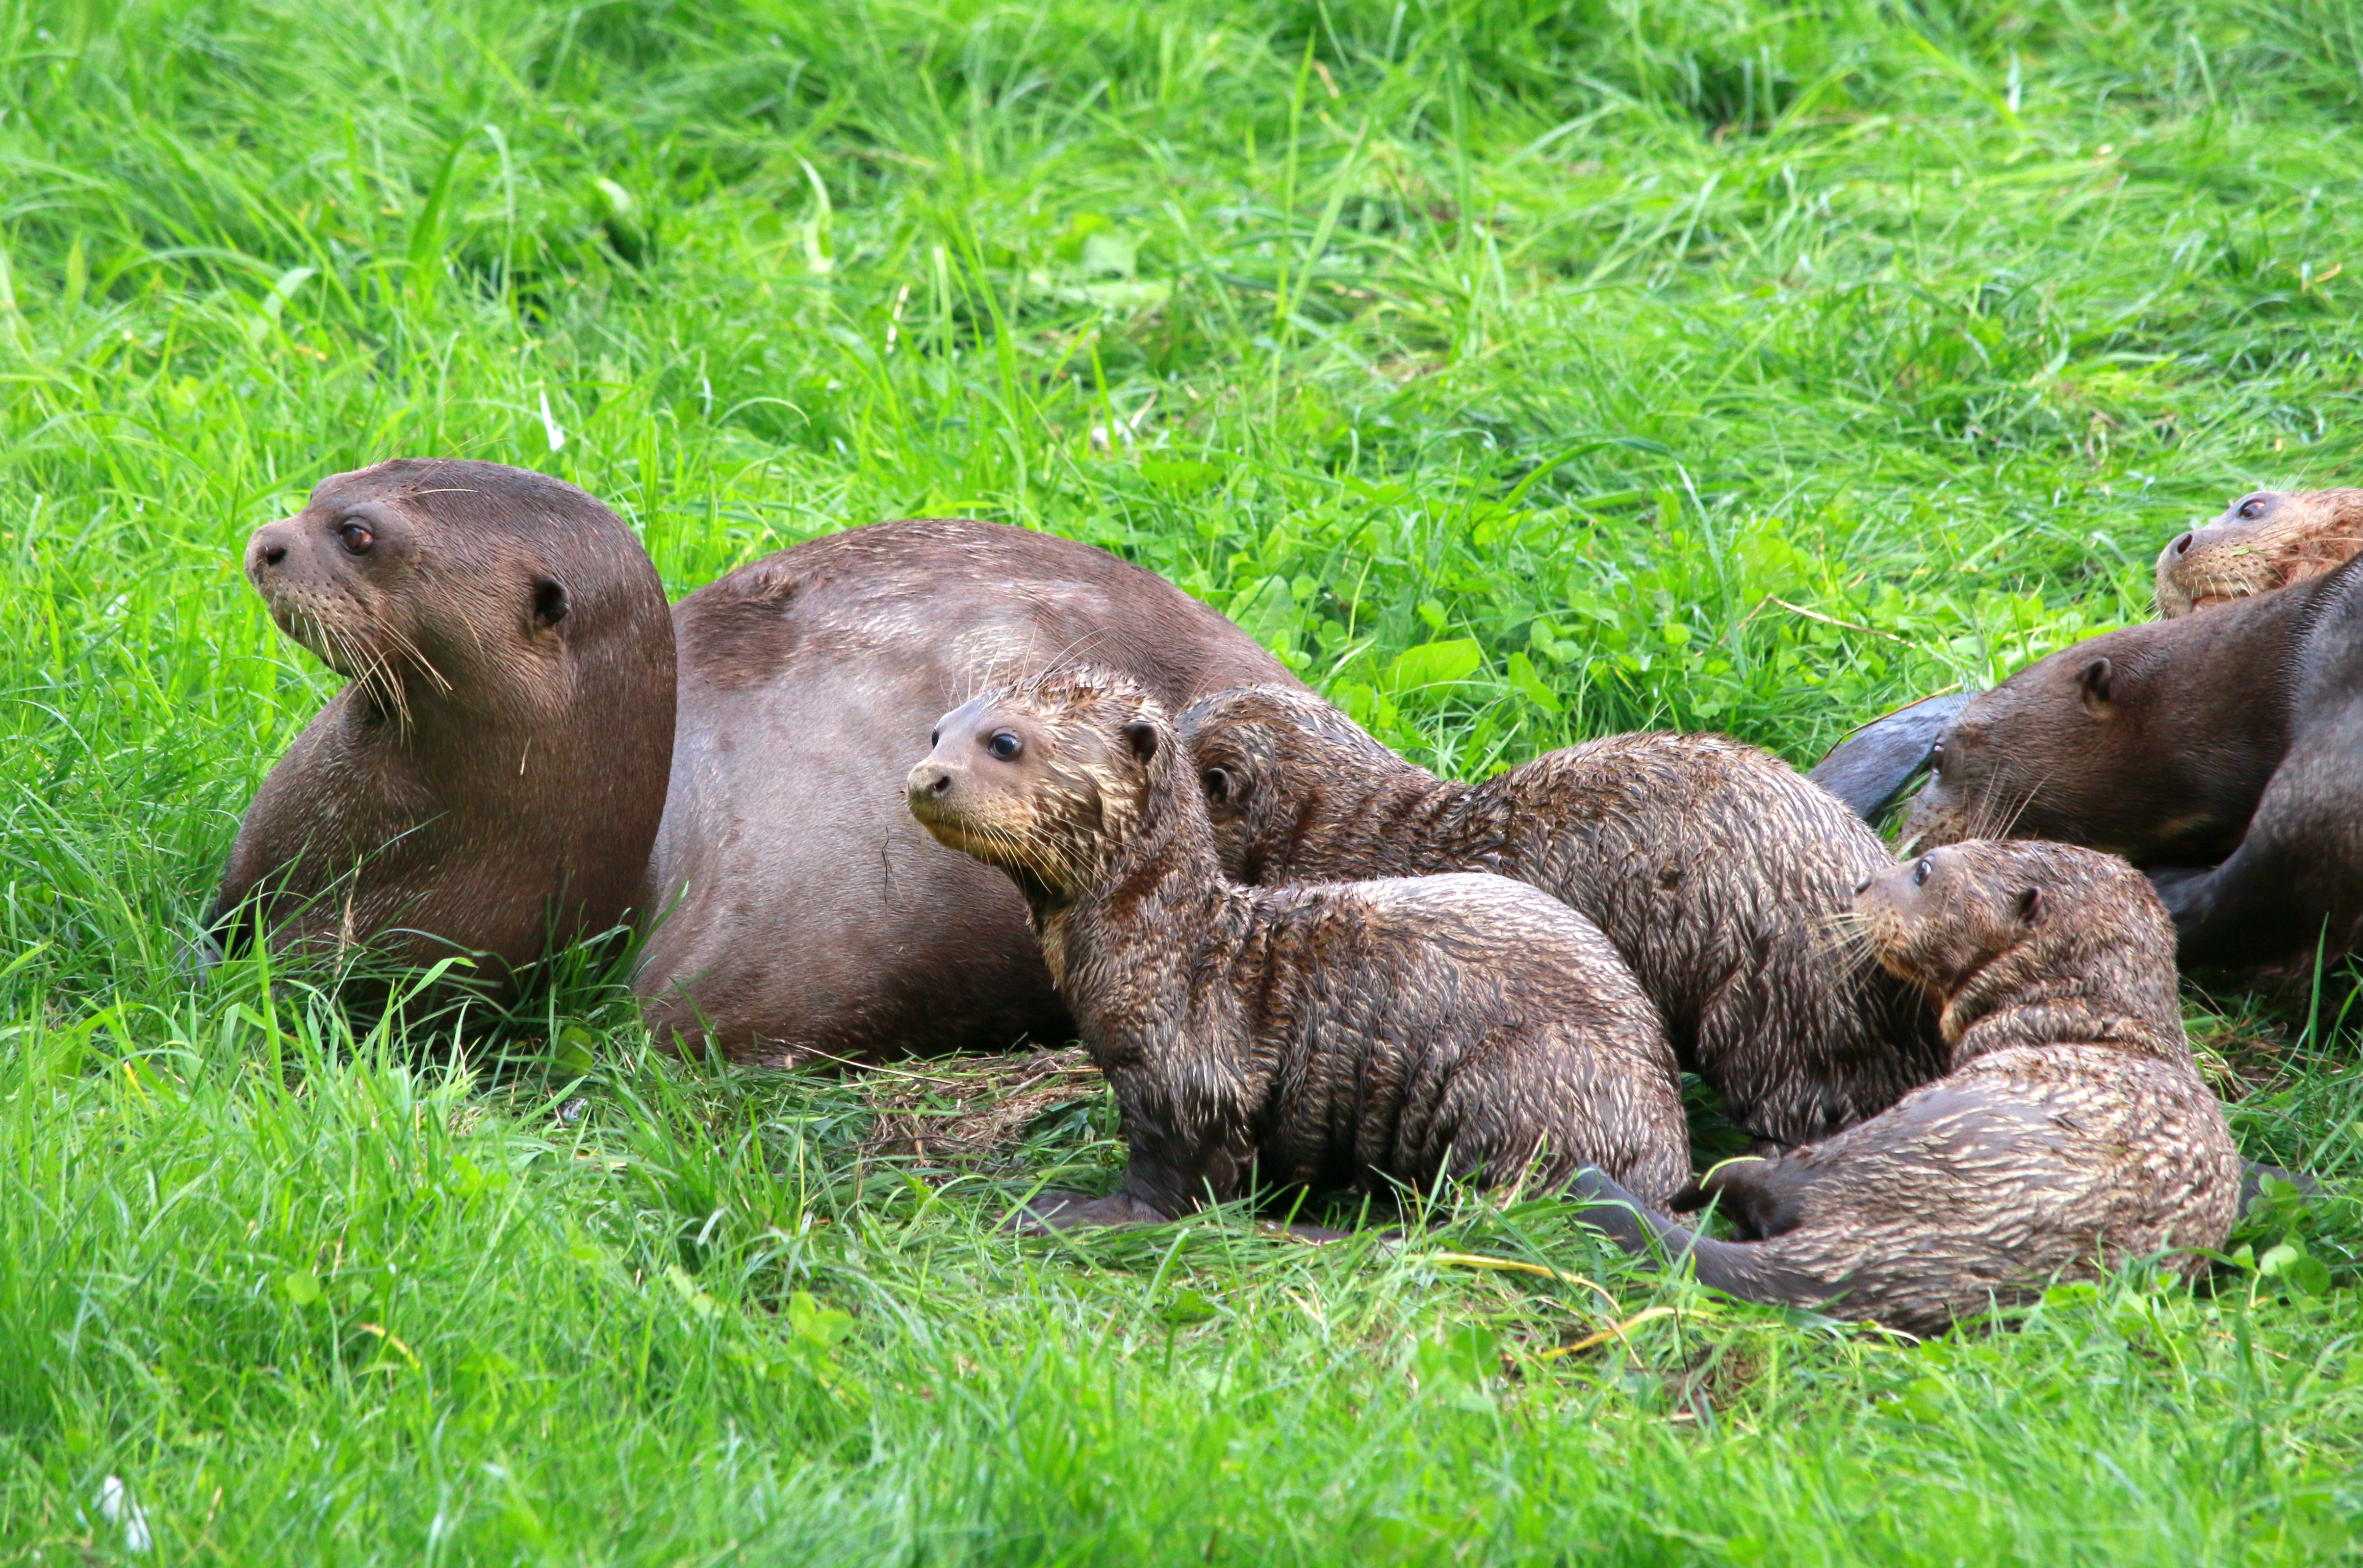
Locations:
{"points": [[1988, 926], [1263, 755], [2265, 540], [418, 578], [1049, 781]]}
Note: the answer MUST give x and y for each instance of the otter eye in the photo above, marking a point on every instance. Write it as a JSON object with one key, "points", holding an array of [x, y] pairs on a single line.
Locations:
{"points": [[1005, 745], [357, 538], [2253, 507], [935, 737], [1920, 872]]}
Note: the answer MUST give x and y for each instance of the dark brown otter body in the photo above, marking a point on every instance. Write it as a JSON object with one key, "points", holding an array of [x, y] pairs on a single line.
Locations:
{"points": [[808, 910], [1717, 872], [2074, 1134], [491, 778], [2265, 540], [2221, 751], [802, 907], [1300, 1037]]}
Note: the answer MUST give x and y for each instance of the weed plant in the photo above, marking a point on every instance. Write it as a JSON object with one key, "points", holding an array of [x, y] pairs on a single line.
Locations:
{"points": [[1519, 371]]}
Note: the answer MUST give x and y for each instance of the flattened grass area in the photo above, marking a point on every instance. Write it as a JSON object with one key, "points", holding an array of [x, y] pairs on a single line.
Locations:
{"points": [[1520, 372]]}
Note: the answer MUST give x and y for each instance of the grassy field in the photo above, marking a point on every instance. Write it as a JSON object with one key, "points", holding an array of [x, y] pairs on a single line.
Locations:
{"points": [[1520, 370]]}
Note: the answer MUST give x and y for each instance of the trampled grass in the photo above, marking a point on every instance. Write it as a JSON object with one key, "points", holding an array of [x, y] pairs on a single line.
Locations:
{"points": [[1521, 371]]}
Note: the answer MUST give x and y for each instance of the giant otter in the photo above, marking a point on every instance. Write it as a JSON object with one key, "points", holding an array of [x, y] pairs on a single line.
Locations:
{"points": [[498, 767], [1717, 872], [490, 778], [1308, 1037], [2072, 1134], [2265, 540], [2221, 751]]}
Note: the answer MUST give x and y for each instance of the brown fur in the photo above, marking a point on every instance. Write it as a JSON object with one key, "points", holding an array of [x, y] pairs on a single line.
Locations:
{"points": [[2265, 540], [808, 913], [490, 778], [2221, 751], [2074, 1134], [802, 910], [1300, 1037], [1720, 875]]}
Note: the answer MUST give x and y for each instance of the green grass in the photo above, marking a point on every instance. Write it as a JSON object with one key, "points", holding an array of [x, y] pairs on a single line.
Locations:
{"points": [[1704, 363]]}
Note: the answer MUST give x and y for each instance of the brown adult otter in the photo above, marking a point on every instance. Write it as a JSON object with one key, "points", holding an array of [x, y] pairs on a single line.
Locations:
{"points": [[2265, 540], [2221, 751], [802, 907], [817, 915], [2072, 1134], [1311, 1037], [491, 780], [1717, 872]]}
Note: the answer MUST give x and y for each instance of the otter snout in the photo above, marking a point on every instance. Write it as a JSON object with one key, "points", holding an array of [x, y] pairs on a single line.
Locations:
{"points": [[267, 547]]}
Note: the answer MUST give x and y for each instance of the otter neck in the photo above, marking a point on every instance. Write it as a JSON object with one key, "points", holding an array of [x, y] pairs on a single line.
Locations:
{"points": [[1360, 819], [2025, 997], [1154, 887]]}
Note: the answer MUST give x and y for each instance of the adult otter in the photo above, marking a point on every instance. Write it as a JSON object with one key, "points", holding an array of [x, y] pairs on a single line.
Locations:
{"points": [[2072, 1134], [1717, 872], [490, 778], [2221, 751], [803, 908], [817, 915], [1310, 1037], [2265, 540]]}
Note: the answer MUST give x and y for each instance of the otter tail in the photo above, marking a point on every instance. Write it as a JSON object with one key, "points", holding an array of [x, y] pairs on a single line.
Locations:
{"points": [[1743, 1269]]}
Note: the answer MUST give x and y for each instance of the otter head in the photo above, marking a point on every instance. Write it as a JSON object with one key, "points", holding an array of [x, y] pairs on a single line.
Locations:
{"points": [[1264, 756], [418, 577], [2065, 749], [1050, 781], [2265, 540], [1985, 924]]}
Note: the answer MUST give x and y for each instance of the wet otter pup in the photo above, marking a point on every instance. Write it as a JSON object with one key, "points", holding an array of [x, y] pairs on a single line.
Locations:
{"points": [[2265, 540], [1317, 1038], [490, 778], [2072, 1134], [1715, 870]]}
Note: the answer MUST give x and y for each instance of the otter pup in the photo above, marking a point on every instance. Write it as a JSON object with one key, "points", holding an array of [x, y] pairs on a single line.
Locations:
{"points": [[490, 778], [1715, 870], [1301, 1037], [2072, 1134], [2265, 540]]}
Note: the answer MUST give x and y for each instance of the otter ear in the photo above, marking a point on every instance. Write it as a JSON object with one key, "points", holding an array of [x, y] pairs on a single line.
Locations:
{"points": [[1141, 736], [548, 601], [2030, 906], [1217, 783], [2095, 681]]}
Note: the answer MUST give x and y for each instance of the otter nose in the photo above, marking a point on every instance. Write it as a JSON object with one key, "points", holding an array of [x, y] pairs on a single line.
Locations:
{"points": [[269, 546], [2183, 546]]}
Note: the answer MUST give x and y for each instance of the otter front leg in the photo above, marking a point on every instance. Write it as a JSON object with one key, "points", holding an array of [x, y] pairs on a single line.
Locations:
{"points": [[1173, 1170]]}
